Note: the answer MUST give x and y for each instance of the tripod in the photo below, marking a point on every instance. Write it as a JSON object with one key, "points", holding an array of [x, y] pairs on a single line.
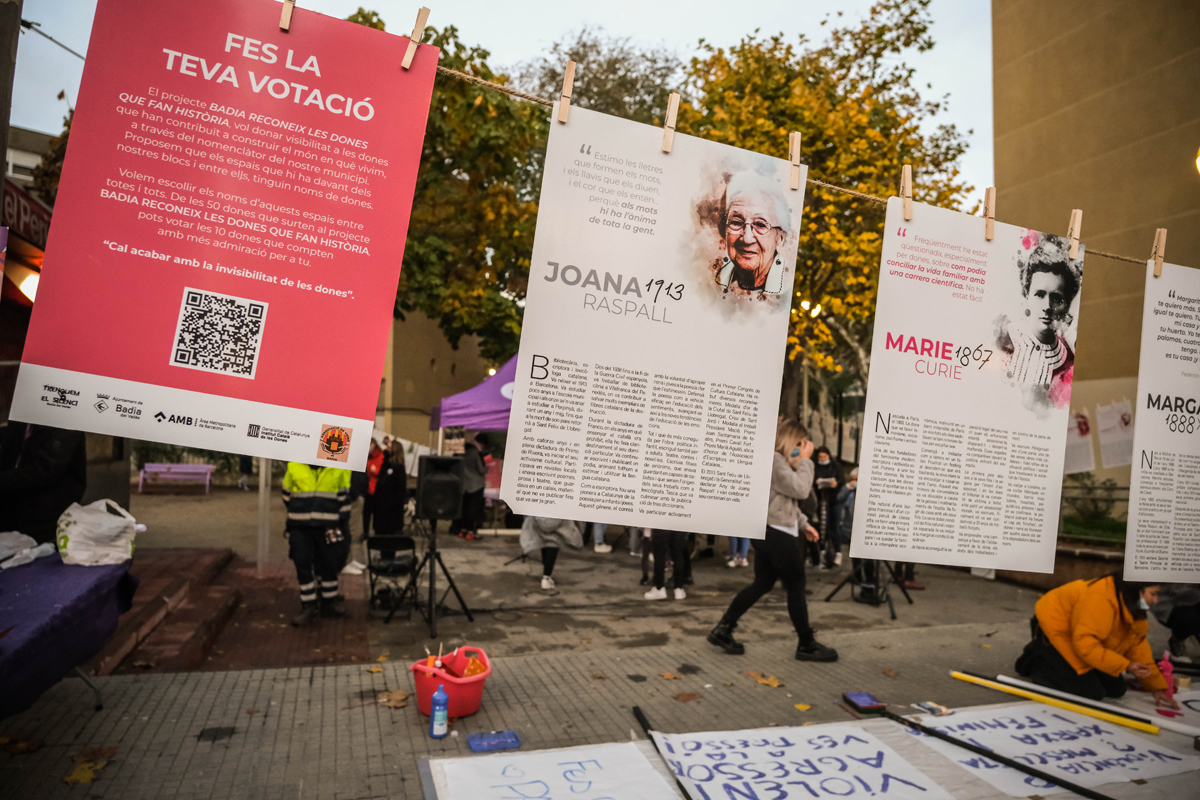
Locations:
{"points": [[881, 588], [432, 554]]}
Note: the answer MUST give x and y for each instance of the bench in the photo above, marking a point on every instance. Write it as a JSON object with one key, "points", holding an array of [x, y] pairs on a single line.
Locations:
{"points": [[176, 473]]}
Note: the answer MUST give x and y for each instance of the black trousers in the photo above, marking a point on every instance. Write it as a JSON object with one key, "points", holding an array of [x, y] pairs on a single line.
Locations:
{"points": [[1050, 669], [368, 511], [673, 543], [778, 557], [1184, 622], [472, 513], [310, 552]]}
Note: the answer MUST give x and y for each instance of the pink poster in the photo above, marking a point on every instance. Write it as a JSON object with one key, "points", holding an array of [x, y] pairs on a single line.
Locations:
{"points": [[229, 230]]}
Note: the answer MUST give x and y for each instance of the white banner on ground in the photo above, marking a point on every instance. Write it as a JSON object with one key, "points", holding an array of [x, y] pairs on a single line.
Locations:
{"points": [[1080, 456], [1115, 423], [595, 772], [655, 327], [967, 401], [1079, 749], [792, 763], [1163, 543]]}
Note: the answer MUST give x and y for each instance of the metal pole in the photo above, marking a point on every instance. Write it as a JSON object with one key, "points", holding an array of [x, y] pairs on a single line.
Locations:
{"points": [[264, 515]]}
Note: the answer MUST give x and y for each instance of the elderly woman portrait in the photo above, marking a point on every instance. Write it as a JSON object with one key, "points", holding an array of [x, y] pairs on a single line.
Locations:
{"points": [[755, 221], [1036, 355]]}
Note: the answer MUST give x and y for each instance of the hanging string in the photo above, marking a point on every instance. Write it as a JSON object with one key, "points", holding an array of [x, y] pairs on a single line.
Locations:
{"points": [[462, 76]]}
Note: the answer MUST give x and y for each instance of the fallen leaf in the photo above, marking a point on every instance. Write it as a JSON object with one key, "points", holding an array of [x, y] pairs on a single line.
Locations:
{"points": [[880, 646], [802, 707], [687, 697], [376, 668], [615, 619], [85, 772], [599, 677], [146, 663], [95, 754], [381, 659], [316, 650], [18, 747], [891, 673], [397, 698], [771, 681], [986, 646], [669, 676], [990, 635], [586, 640], [250, 712], [727, 683]]}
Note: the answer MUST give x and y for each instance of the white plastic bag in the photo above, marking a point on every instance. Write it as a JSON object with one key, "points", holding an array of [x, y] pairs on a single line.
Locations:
{"points": [[98, 533]]}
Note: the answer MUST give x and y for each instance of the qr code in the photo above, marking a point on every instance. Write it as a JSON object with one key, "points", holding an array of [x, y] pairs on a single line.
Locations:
{"points": [[218, 333]]}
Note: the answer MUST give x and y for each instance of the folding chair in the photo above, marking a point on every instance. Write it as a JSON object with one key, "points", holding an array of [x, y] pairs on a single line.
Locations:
{"points": [[390, 560]]}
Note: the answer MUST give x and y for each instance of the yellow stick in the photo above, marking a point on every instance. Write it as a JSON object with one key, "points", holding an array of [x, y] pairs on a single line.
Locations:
{"points": [[1063, 704]]}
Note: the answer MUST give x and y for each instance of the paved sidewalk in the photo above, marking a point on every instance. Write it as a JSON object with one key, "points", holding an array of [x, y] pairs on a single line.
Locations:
{"points": [[317, 732]]}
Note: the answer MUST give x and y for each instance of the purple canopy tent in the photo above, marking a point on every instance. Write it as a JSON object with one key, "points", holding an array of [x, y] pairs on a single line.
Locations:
{"points": [[485, 407]]}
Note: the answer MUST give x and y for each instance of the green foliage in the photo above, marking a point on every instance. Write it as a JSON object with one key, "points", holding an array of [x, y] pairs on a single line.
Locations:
{"points": [[48, 172], [612, 75], [859, 116], [369, 18]]}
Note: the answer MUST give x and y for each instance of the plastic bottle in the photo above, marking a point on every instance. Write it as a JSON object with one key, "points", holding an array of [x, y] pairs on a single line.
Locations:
{"points": [[439, 712]]}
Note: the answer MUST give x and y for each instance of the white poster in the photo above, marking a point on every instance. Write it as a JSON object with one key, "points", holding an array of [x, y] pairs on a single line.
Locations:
{"points": [[792, 763], [1080, 457], [594, 772], [1079, 749], [1115, 424], [967, 399], [1163, 541], [655, 328]]}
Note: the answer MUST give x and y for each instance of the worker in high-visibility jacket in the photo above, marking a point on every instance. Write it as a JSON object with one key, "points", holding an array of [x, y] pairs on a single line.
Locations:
{"points": [[318, 529]]}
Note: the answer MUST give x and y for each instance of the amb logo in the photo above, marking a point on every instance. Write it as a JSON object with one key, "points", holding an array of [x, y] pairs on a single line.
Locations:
{"points": [[334, 443], [176, 418]]}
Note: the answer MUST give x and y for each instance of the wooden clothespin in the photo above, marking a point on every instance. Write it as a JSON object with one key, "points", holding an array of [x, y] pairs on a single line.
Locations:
{"points": [[415, 39], [1160, 249], [669, 126], [1073, 232], [285, 17], [906, 191], [989, 213], [564, 100], [794, 156]]}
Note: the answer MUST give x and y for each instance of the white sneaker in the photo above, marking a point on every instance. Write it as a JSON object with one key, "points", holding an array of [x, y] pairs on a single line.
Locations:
{"points": [[656, 594], [350, 569], [822, 566], [603, 548], [547, 582], [733, 562], [680, 594], [357, 564], [743, 562], [837, 559]]}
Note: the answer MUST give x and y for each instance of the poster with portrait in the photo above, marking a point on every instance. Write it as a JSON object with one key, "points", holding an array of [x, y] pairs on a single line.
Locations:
{"points": [[1163, 538], [969, 392], [229, 229], [1080, 456], [1115, 424], [655, 328]]}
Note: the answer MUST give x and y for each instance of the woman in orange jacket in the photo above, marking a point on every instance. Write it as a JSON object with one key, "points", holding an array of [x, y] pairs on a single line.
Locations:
{"points": [[1087, 633]]}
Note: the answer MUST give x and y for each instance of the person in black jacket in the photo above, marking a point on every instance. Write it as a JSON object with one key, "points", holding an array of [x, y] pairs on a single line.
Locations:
{"points": [[827, 479], [42, 471], [391, 492]]}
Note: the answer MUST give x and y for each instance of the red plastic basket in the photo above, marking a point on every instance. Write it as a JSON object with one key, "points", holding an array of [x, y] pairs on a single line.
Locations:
{"points": [[465, 694]]}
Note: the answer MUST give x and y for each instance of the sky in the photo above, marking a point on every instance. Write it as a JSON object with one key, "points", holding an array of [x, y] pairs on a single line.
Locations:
{"points": [[960, 65]]}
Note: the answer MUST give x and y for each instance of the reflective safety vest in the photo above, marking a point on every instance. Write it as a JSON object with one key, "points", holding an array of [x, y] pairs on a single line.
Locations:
{"points": [[316, 497]]}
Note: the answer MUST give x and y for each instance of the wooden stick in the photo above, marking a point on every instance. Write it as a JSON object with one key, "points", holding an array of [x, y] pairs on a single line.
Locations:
{"points": [[415, 39], [994, 756], [906, 191], [989, 213], [1073, 232], [1137, 725], [1165, 724], [794, 156], [564, 99], [1160, 248], [669, 126], [285, 16]]}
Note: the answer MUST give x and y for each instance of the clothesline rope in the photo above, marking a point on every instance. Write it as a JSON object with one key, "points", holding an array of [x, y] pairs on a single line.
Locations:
{"points": [[462, 76]]}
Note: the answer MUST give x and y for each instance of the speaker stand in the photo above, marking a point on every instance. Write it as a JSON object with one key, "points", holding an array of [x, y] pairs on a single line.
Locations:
{"points": [[432, 555]]}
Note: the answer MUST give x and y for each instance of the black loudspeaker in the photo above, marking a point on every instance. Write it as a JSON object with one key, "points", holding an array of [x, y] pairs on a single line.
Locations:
{"points": [[439, 487]]}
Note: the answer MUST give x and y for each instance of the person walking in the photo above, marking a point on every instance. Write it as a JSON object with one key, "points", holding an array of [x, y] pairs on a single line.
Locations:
{"points": [[547, 535], [664, 544], [317, 500], [827, 479], [598, 531], [375, 458], [739, 548], [474, 481], [246, 468], [906, 574], [778, 556]]}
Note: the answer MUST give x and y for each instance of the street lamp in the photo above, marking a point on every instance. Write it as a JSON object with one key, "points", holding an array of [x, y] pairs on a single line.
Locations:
{"points": [[23, 278]]}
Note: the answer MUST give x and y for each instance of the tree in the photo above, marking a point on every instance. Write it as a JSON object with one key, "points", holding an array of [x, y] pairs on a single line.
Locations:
{"points": [[612, 75], [466, 259], [48, 172], [860, 119]]}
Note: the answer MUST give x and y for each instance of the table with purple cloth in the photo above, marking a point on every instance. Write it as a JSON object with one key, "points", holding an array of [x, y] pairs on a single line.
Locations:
{"points": [[59, 615]]}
